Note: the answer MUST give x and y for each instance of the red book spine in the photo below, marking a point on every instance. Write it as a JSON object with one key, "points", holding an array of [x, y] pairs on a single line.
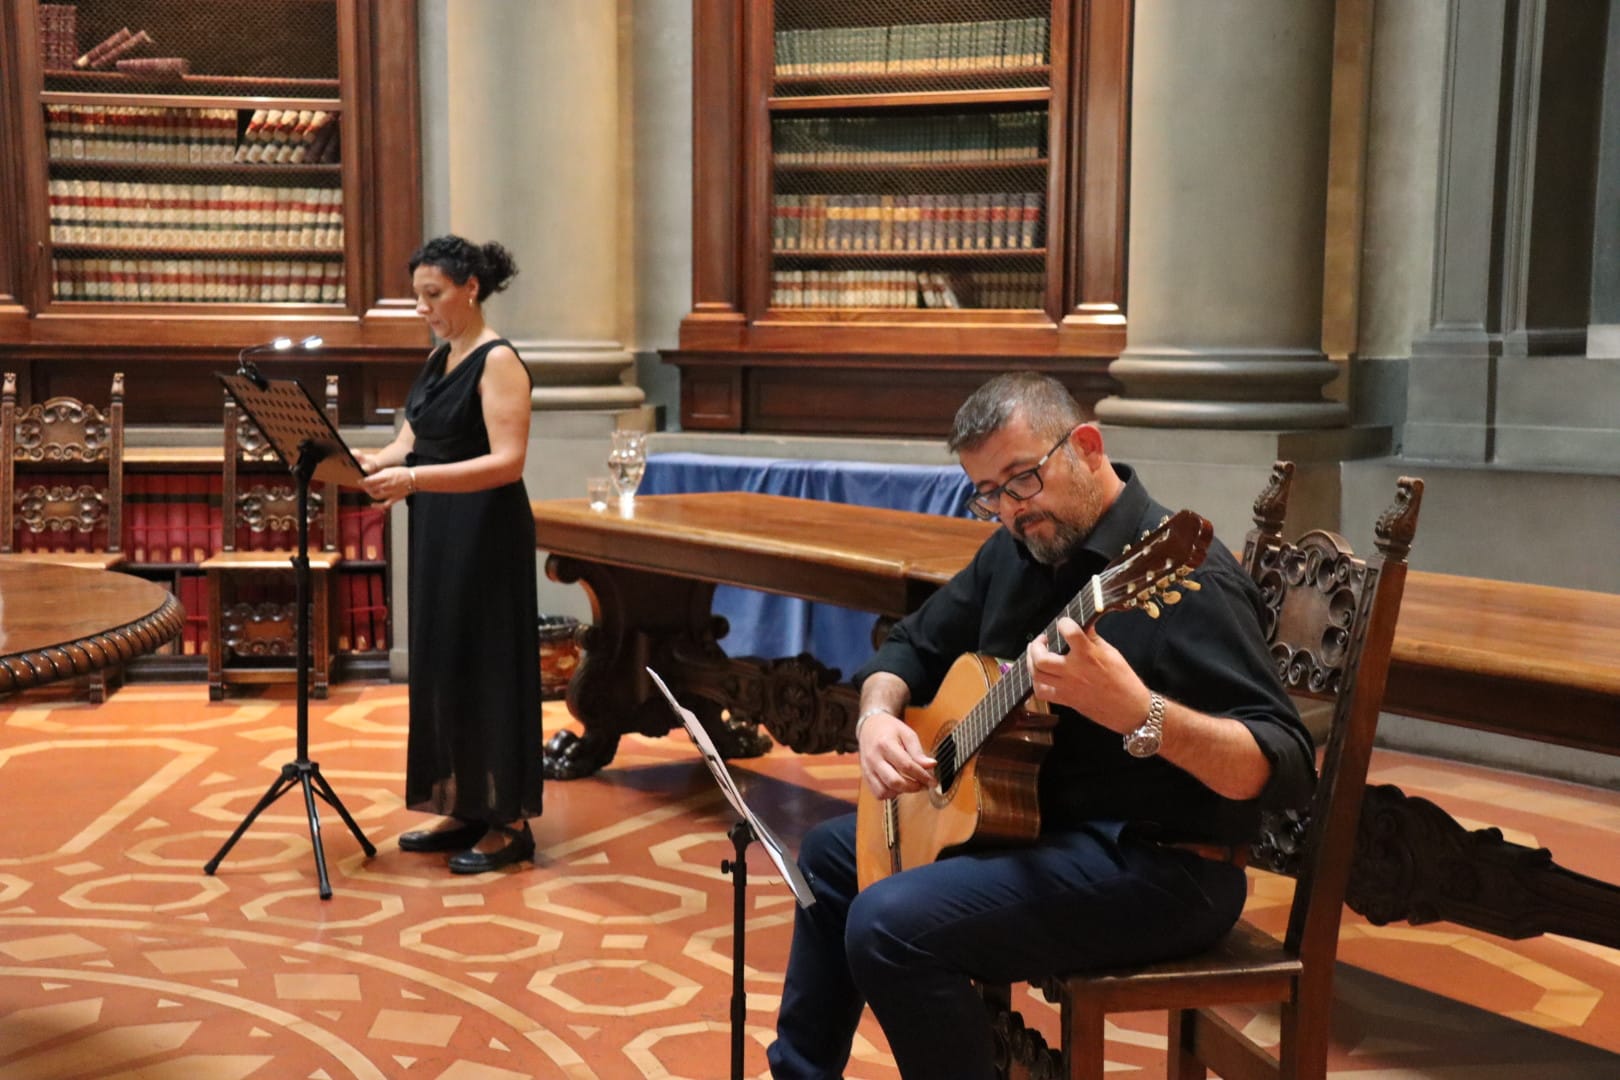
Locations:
{"points": [[197, 518], [359, 599], [345, 615], [379, 610], [349, 531], [371, 533]]}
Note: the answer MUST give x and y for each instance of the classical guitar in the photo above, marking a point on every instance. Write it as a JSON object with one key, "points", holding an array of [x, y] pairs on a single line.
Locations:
{"points": [[988, 739]]}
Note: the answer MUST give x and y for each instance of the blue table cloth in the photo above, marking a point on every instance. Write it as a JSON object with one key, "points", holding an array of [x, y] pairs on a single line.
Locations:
{"points": [[763, 624]]}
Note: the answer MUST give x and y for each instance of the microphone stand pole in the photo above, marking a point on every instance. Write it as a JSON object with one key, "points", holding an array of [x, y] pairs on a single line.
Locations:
{"points": [[741, 834]]}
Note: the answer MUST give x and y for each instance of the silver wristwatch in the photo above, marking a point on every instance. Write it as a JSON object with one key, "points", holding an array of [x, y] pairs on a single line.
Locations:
{"points": [[1145, 740]]}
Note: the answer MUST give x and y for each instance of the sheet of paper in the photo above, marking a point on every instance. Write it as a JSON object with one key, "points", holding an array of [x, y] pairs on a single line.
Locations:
{"points": [[779, 854]]}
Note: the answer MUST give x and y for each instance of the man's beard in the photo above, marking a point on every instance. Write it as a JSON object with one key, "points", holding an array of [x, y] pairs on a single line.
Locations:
{"points": [[1067, 534], [1053, 549]]}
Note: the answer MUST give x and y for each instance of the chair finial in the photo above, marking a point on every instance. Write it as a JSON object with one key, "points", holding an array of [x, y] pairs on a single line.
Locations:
{"points": [[1271, 505], [1398, 523]]}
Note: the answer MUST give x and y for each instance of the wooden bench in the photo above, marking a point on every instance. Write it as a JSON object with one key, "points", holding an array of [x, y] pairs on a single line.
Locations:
{"points": [[1530, 661]]}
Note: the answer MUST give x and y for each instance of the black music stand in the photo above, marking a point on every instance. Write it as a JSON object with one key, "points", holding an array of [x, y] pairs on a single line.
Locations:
{"points": [[743, 832], [308, 443]]}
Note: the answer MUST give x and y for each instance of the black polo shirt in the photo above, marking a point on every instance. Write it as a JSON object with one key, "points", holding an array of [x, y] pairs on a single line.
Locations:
{"points": [[1206, 652]]}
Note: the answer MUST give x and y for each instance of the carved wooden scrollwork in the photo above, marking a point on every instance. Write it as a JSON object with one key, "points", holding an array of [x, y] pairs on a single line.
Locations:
{"points": [[63, 430], [251, 445], [1414, 862], [799, 700], [1312, 584], [61, 508], [260, 629], [1280, 847], [1017, 1044], [263, 508]]}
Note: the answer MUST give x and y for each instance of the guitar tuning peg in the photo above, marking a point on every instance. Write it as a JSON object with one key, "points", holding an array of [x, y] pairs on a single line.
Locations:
{"points": [[1170, 596], [1190, 585], [1151, 608]]}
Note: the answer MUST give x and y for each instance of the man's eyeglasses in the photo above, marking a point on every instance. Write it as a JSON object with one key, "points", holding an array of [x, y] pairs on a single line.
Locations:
{"points": [[985, 505]]}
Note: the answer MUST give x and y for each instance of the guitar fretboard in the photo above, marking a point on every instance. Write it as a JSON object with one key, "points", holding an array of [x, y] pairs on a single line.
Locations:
{"points": [[1010, 692]]}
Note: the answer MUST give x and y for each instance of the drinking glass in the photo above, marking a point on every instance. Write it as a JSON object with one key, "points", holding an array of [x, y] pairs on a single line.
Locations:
{"points": [[598, 488], [626, 462]]}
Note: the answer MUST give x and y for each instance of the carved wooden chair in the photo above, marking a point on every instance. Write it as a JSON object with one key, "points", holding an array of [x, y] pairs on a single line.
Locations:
{"points": [[1330, 621], [62, 487], [251, 636]]}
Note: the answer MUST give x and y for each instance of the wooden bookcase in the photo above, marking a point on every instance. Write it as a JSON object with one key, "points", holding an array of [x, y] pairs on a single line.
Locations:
{"points": [[267, 183], [856, 269]]}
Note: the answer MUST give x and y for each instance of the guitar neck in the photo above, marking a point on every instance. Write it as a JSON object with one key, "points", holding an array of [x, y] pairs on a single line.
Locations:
{"points": [[1015, 687]]}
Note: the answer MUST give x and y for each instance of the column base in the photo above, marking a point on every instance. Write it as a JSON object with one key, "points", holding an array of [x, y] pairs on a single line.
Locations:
{"points": [[581, 375], [1248, 389]]}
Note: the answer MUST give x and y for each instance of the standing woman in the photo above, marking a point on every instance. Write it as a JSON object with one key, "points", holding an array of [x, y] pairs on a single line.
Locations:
{"points": [[474, 754]]}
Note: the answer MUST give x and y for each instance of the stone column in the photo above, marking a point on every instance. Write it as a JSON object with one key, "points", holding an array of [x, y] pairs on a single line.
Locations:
{"points": [[1229, 147], [533, 148], [1603, 333], [524, 140], [1223, 370]]}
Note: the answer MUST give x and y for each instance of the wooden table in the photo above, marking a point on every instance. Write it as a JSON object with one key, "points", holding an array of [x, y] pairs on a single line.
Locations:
{"points": [[58, 622], [651, 577], [1535, 662]]}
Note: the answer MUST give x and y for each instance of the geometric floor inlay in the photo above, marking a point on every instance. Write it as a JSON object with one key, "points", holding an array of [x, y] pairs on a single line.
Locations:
{"points": [[607, 957]]}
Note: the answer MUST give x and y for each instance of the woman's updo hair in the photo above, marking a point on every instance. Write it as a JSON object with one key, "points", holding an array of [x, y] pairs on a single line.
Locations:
{"points": [[460, 259]]}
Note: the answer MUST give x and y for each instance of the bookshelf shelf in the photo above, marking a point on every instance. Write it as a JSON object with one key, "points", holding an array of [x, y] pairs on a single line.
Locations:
{"points": [[300, 90], [914, 99], [285, 141], [1036, 165], [180, 251], [919, 257], [894, 82], [896, 197], [175, 170], [188, 101]]}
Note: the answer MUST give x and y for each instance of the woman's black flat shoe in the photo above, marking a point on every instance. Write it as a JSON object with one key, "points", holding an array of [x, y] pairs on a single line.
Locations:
{"points": [[518, 848], [457, 839]]}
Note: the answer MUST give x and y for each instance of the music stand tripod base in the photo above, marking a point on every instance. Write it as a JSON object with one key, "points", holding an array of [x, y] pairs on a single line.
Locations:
{"points": [[302, 434]]}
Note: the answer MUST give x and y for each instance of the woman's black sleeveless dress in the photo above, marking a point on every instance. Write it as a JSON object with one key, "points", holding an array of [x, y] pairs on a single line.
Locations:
{"points": [[474, 750]]}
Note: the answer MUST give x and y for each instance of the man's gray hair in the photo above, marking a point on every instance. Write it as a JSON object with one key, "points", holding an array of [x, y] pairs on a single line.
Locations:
{"points": [[1046, 405]]}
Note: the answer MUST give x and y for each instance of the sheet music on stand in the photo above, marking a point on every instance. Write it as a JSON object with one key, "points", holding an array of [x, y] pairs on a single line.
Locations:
{"points": [[711, 756], [289, 417]]}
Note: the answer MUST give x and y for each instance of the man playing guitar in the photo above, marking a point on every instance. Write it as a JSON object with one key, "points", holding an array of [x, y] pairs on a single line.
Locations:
{"points": [[1169, 733]]}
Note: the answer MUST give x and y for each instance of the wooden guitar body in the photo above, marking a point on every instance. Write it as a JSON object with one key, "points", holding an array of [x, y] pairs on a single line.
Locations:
{"points": [[992, 799]]}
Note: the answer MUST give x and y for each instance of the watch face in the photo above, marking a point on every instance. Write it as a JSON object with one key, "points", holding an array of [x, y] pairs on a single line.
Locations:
{"points": [[1143, 742]]}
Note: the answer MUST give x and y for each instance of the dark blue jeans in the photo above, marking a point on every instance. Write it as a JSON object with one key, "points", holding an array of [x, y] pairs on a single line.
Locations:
{"points": [[907, 946]]}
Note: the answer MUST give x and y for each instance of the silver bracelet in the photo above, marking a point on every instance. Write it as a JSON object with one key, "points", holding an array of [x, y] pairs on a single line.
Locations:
{"points": [[867, 715]]}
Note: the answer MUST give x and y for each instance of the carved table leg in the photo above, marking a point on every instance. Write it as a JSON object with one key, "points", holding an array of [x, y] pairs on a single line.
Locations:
{"points": [[1415, 863], [642, 619], [639, 620]]}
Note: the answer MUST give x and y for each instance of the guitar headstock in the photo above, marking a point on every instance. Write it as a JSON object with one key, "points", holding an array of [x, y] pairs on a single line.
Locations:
{"points": [[1156, 568]]}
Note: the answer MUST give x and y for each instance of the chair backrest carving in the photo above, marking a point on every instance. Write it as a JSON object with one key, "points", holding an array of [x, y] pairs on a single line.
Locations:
{"points": [[1330, 623], [62, 433], [269, 502]]}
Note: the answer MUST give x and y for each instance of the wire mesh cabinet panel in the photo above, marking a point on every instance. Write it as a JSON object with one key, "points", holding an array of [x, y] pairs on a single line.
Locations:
{"points": [[895, 197]]}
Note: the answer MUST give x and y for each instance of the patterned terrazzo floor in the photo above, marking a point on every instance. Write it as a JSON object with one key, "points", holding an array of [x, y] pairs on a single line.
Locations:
{"points": [[610, 956]]}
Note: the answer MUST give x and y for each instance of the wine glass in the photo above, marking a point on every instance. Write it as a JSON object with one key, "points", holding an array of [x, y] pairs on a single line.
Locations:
{"points": [[626, 462]]}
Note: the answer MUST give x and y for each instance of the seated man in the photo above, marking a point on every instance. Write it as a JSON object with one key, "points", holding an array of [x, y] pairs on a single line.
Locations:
{"points": [[1172, 735]]}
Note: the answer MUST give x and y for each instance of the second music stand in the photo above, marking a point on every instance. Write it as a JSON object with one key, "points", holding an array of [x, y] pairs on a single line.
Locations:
{"points": [[311, 446]]}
